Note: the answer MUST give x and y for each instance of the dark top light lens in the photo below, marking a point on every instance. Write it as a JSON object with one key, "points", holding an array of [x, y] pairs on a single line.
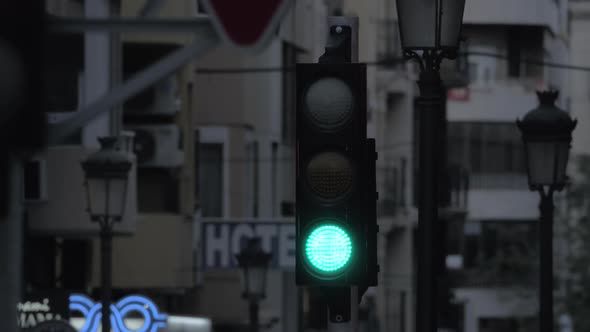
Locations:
{"points": [[329, 175], [329, 103]]}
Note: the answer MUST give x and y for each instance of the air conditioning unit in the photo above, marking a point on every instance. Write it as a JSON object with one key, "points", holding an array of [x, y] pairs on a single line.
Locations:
{"points": [[157, 145], [34, 181], [160, 99]]}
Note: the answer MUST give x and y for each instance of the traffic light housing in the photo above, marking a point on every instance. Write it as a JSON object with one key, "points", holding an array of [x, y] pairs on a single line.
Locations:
{"points": [[334, 192]]}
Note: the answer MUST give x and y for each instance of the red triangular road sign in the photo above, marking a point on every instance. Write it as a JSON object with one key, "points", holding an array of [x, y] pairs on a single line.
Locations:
{"points": [[246, 23]]}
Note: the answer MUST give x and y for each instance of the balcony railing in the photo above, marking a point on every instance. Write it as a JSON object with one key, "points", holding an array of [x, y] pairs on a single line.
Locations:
{"points": [[394, 179], [458, 186], [482, 278], [392, 182], [497, 181]]}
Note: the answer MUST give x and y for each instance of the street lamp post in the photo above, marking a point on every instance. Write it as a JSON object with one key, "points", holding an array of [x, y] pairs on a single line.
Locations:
{"points": [[430, 31], [254, 263], [106, 173], [547, 134]]}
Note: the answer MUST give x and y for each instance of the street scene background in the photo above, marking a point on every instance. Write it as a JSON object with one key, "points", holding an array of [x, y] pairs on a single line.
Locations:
{"points": [[212, 151]]}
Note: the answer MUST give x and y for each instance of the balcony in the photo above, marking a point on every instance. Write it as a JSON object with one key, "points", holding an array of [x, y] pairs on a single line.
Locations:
{"points": [[454, 190], [493, 277], [494, 254], [508, 12], [458, 185]]}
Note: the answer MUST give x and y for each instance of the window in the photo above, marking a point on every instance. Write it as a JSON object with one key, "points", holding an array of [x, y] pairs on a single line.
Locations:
{"points": [[288, 116], [158, 190], [513, 47], [482, 69], [274, 176], [472, 72], [34, 180], [62, 64], [521, 324], [212, 168], [255, 179], [211, 179], [506, 249], [486, 147]]}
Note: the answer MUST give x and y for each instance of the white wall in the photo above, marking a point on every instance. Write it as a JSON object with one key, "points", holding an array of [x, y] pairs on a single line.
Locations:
{"points": [[503, 205], [580, 80]]}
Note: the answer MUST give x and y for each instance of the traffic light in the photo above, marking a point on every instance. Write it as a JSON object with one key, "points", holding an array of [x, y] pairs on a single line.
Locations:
{"points": [[335, 193]]}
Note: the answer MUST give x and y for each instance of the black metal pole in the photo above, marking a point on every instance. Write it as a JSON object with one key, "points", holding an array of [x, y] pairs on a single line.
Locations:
{"points": [[253, 315], [106, 246], [546, 252], [429, 106]]}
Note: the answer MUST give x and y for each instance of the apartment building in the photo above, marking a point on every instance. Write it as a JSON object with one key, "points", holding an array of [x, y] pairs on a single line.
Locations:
{"points": [[153, 248], [205, 146], [487, 211], [498, 271], [393, 119], [245, 122]]}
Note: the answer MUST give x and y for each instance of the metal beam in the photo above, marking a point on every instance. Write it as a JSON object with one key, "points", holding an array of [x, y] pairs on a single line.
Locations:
{"points": [[151, 7], [206, 38], [166, 25]]}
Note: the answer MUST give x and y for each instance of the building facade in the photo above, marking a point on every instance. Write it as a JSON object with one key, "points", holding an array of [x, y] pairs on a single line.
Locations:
{"points": [[497, 278]]}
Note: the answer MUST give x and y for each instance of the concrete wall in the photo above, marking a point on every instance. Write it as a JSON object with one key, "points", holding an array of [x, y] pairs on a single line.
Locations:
{"points": [[64, 211], [158, 255]]}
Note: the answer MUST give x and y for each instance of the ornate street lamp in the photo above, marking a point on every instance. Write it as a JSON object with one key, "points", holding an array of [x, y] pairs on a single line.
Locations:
{"points": [[429, 32], [106, 173], [547, 134], [432, 25], [254, 263]]}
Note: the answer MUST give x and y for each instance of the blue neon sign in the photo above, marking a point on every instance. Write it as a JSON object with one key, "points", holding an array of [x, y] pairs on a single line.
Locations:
{"points": [[153, 319]]}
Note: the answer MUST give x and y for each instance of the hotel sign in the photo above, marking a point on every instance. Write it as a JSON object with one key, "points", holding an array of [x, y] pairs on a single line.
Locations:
{"points": [[222, 239]]}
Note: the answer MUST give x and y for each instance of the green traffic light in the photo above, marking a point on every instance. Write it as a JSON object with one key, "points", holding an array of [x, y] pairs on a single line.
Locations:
{"points": [[328, 248]]}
